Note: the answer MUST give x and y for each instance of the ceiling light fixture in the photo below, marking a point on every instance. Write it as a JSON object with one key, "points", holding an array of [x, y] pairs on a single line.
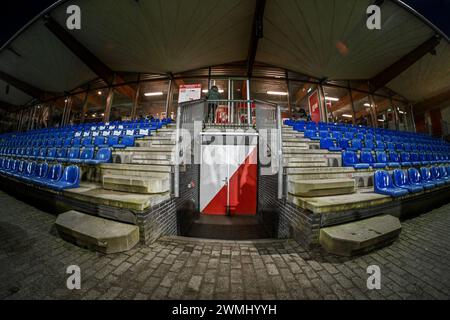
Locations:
{"points": [[331, 99], [153, 94], [347, 116], [277, 93]]}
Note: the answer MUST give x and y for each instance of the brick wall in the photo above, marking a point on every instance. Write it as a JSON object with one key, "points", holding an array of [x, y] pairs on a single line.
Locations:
{"points": [[282, 219], [174, 216]]}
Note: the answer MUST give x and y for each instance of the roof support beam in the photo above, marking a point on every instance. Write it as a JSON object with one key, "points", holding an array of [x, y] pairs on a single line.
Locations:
{"points": [[391, 72], [257, 33], [23, 86], [431, 103]]}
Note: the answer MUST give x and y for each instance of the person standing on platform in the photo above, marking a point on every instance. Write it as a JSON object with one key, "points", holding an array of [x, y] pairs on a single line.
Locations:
{"points": [[212, 97]]}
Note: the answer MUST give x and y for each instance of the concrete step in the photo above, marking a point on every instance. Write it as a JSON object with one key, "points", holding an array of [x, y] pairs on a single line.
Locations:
{"points": [[307, 164], [300, 145], [138, 161], [95, 194], [361, 236], [141, 171], [96, 233], [322, 187], [135, 184], [154, 149]]}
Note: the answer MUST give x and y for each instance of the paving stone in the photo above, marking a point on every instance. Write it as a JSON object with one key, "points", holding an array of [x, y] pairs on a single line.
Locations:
{"points": [[413, 267]]}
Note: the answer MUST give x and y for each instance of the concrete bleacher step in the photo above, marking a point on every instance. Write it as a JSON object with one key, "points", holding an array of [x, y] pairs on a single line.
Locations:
{"points": [[320, 188], [320, 172], [133, 169], [153, 143], [94, 193], [96, 233], [300, 145], [306, 164], [136, 184], [361, 236], [146, 161]]}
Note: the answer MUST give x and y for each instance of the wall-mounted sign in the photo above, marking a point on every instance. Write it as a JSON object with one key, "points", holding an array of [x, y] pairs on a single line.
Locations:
{"points": [[189, 92], [314, 109]]}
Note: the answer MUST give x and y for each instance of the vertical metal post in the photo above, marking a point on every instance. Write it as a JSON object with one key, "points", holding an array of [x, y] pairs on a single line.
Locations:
{"points": [[84, 108], [109, 101], [321, 97], [136, 102], [169, 95], [249, 104], [352, 104], [373, 111], [176, 180], [280, 153], [19, 125], [413, 120]]}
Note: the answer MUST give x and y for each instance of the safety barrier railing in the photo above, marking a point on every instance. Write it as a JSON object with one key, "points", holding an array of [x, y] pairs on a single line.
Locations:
{"points": [[193, 116]]}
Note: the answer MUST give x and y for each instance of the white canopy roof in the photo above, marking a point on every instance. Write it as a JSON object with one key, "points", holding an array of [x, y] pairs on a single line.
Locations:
{"points": [[322, 39]]}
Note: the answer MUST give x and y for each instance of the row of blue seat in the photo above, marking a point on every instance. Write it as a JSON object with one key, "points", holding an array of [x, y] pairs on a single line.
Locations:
{"points": [[67, 155], [357, 145], [338, 131], [100, 142], [401, 184], [382, 159], [54, 177]]}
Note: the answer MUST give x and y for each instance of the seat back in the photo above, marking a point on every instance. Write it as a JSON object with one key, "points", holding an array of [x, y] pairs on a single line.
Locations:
{"points": [[71, 175], [129, 141], [425, 173], [357, 144], [382, 180], [393, 157], [41, 170], [400, 178], [414, 176], [61, 153], [87, 154], [414, 157], [349, 158], [368, 144], [54, 173], [113, 140], [325, 143], [104, 154], [367, 157], [21, 167], [99, 141], [74, 153], [435, 173], [405, 157], [442, 172], [30, 168], [381, 157]]}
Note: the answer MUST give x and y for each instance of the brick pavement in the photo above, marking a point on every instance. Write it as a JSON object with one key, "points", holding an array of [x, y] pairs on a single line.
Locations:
{"points": [[33, 260]]}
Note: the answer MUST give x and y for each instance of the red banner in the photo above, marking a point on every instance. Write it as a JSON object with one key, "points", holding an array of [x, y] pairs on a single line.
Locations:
{"points": [[314, 109]]}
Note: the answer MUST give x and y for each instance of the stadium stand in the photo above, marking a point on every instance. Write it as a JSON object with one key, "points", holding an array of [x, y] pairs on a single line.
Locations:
{"points": [[51, 158]]}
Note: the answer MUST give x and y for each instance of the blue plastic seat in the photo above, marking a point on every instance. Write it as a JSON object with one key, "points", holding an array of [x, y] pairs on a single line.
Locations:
{"points": [[356, 145], [54, 174], [383, 185], [126, 141], [103, 155], [405, 159], [367, 157], [343, 143], [368, 145], [51, 154], [61, 155], [415, 178], [436, 176], [86, 155], [328, 143], [99, 141], [444, 174], [20, 169], [311, 134], [76, 142], [40, 172], [112, 141], [29, 172], [70, 179], [401, 180], [73, 154], [350, 159], [394, 159], [382, 158], [414, 158], [425, 173]]}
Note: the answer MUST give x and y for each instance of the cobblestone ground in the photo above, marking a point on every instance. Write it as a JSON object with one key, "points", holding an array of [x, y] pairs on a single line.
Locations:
{"points": [[33, 261]]}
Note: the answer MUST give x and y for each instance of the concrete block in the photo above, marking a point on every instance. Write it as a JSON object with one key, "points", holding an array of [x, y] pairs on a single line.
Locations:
{"points": [[134, 184], [96, 233], [324, 187], [361, 236]]}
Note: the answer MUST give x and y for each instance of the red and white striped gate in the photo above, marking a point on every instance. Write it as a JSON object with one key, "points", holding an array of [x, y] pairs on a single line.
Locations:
{"points": [[228, 179]]}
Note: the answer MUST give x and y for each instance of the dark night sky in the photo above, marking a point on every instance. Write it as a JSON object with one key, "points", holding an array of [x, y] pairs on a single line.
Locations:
{"points": [[14, 14]]}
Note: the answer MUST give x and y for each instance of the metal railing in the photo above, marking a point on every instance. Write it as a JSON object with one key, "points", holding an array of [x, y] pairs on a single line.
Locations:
{"points": [[193, 116]]}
